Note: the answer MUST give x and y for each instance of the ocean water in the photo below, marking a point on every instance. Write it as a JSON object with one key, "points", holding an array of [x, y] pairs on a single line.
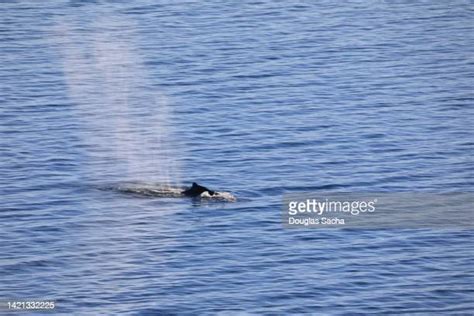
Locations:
{"points": [[259, 98]]}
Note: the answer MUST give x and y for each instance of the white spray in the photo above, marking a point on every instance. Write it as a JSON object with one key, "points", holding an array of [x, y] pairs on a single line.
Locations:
{"points": [[125, 120]]}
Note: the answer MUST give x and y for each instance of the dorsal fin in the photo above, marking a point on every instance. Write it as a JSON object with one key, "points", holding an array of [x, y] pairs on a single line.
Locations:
{"points": [[196, 190]]}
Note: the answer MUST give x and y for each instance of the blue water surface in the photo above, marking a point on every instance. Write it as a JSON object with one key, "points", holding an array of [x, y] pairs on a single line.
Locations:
{"points": [[260, 98]]}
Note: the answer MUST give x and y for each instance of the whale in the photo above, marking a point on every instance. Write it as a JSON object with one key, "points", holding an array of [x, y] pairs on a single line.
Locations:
{"points": [[195, 191]]}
